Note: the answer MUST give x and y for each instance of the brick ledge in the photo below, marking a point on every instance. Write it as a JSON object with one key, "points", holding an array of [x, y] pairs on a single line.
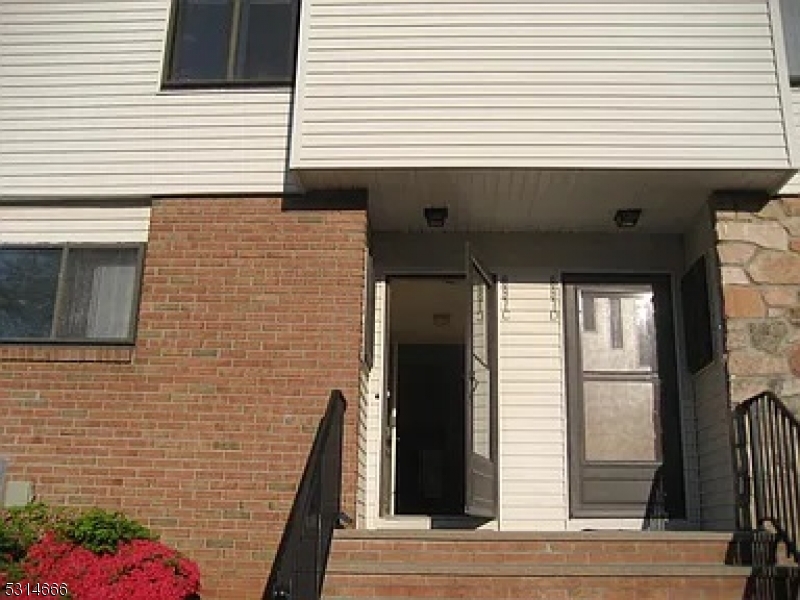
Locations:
{"points": [[537, 570], [67, 354], [612, 535]]}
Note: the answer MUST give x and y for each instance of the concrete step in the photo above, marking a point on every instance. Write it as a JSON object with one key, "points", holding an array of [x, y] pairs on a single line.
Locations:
{"points": [[733, 584], [573, 548], [597, 565]]}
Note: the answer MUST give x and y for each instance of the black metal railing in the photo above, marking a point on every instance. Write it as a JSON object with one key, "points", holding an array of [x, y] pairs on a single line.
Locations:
{"points": [[767, 445], [298, 571]]}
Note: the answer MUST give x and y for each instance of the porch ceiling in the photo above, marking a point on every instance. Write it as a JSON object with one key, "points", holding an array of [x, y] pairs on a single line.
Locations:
{"points": [[537, 200]]}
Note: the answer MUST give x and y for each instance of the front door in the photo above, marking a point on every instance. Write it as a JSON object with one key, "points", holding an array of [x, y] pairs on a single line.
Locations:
{"points": [[481, 393], [439, 440], [624, 422]]}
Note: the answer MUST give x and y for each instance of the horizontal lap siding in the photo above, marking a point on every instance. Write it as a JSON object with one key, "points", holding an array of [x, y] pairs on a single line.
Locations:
{"points": [[794, 185], [711, 410], [81, 111], [714, 447], [464, 83], [532, 409], [49, 224]]}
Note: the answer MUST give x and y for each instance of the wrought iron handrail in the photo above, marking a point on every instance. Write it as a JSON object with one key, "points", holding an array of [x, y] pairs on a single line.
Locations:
{"points": [[298, 571], [767, 444]]}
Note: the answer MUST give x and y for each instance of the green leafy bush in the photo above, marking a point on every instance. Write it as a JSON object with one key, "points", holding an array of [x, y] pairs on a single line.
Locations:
{"points": [[95, 529], [101, 531], [21, 527]]}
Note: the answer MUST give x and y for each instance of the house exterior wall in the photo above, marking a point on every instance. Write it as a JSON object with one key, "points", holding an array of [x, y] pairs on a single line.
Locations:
{"points": [[85, 224], [532, 406], [250, 314], [532, 395], [539, 84], [712, 404], [82, 112], [760, 256]]}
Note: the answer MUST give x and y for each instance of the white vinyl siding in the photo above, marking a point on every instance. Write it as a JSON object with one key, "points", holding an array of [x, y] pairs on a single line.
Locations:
{"points": [[73, 224], [82, 113], [714, 448], [533, 439], [712, 403], [454, 83], [793, 187]]}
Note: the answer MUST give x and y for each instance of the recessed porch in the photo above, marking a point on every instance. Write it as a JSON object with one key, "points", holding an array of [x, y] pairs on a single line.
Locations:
{"points": [[533, 232]]}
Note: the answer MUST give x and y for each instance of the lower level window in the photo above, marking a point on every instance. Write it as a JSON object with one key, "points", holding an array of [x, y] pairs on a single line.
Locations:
{"points": [[69, 293]]}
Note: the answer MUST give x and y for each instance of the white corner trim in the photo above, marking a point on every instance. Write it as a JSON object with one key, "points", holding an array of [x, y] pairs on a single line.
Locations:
{"points": [[784, 85]]}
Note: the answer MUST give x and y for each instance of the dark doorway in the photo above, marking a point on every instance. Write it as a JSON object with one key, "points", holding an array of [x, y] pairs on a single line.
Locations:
{"points": [[430, 429], [439, 434], [423, 462]]}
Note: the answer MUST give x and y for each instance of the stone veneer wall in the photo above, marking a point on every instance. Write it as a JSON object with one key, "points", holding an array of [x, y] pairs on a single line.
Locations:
{"points": [[760, 259]]}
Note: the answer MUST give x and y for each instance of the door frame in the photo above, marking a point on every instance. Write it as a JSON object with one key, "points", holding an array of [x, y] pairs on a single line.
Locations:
{"points": [[667, 348], [388, 519], [387, 466]]}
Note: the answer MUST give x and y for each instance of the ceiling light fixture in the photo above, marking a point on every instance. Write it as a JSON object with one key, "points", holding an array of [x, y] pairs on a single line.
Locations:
{"points": [[627, 218], [435, 216]]}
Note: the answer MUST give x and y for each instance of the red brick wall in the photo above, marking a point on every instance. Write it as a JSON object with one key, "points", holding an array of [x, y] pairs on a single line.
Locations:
{"points": [[249, 316]]}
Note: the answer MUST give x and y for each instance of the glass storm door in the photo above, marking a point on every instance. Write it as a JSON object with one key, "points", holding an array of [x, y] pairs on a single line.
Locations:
{"points": [[624, 424], [480, 394]]}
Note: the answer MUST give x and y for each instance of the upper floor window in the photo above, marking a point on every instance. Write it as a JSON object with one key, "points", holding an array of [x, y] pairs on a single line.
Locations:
{"points": [[790, 12], [69, 293], [221, 42]]}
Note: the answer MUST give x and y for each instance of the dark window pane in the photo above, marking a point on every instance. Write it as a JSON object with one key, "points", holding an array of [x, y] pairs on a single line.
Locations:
{"points": [[790, 11], [28, 281], [616, 322], [696, 304], [266, 40], [589, 312], [202, 39], [99, 292]]}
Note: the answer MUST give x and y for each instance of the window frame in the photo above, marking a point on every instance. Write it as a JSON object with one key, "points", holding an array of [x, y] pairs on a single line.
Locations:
{"points": [[168, 82], [65, 248], [791, 30]]}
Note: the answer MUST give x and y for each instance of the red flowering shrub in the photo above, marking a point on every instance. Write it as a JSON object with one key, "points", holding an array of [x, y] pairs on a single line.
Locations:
{"points": [[129, 569], [139, 570]]}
